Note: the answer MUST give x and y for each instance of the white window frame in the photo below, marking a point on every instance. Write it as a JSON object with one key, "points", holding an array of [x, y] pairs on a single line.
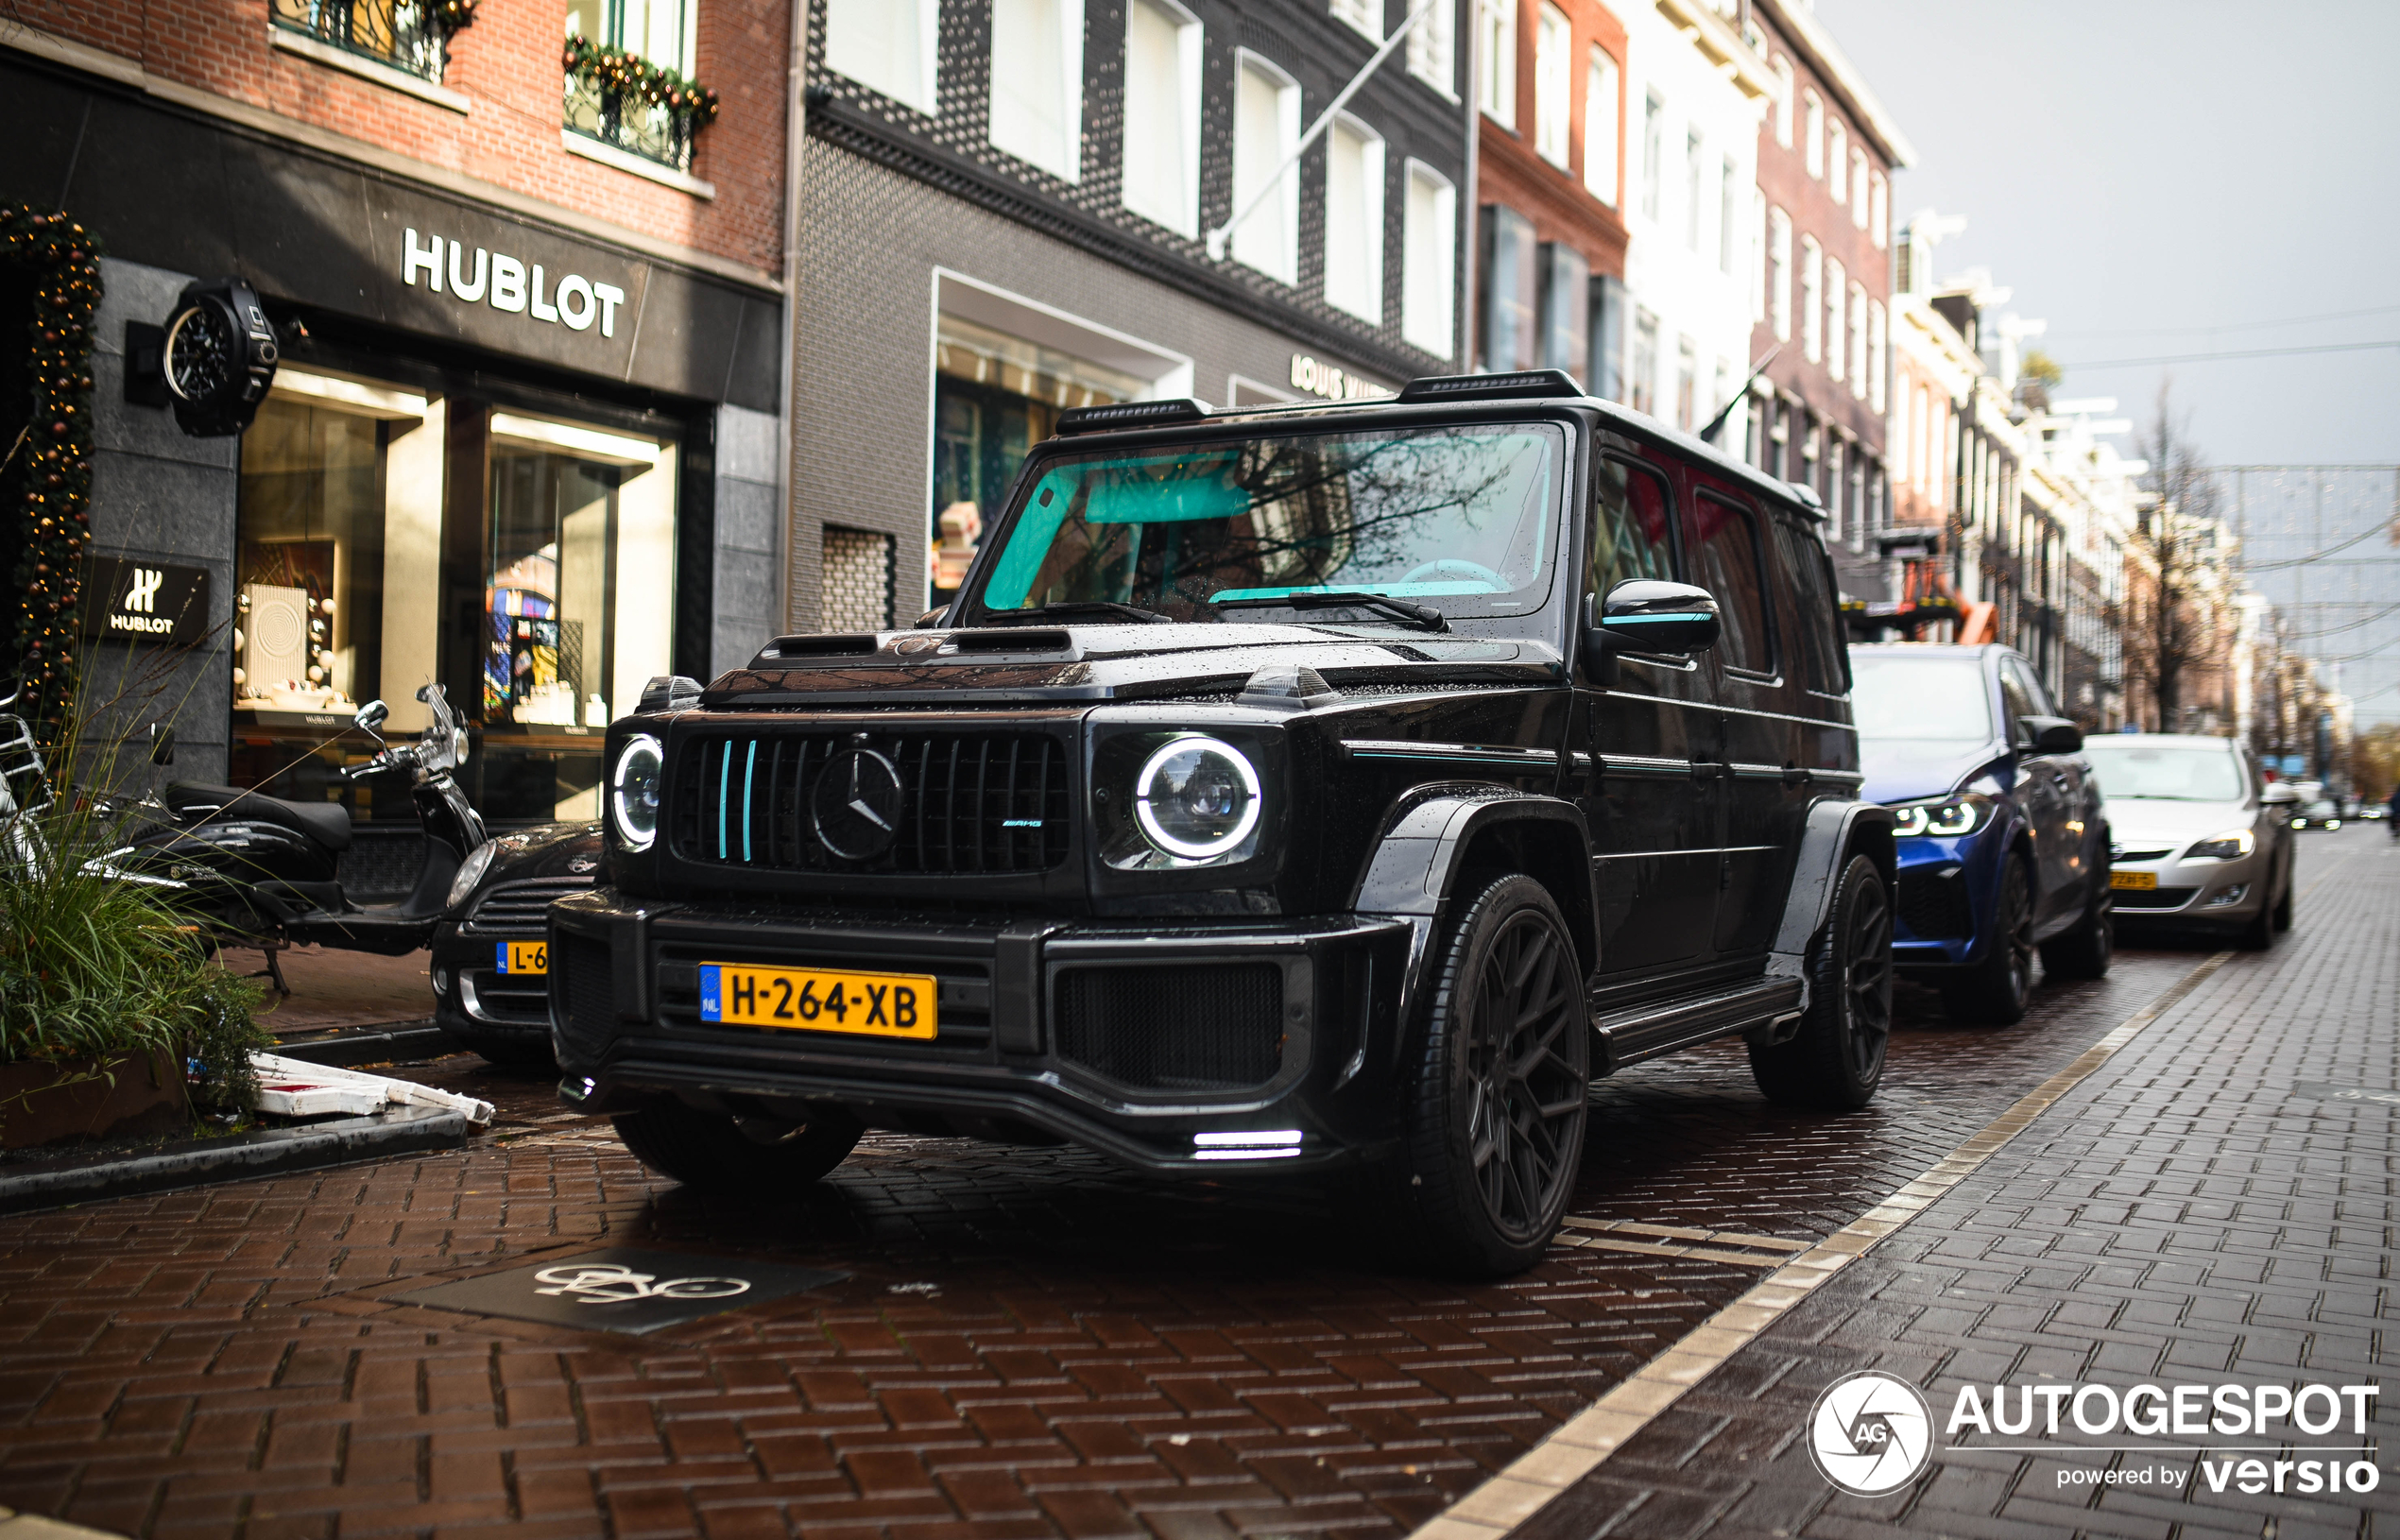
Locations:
{"points": [[1837, 160], [1183, 215], [1432, 49], [1696, 210], [1860, 192], [1654, 152], [916, 83], [1812, 128], [1782, 101], [1728, 216], [1878, 354], [1779, 273], [1756, 233], [1367, 302], [1067, 164], [1879, 217], [1364, 17], [1858, 340], [1811, 300], [1428, 254], [1604, 107], [1836, 295], [1496, 60], [1554, 85], [1245, 245]]}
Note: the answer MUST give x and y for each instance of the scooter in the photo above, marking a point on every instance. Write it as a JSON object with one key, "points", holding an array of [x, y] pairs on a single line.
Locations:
{"points": [[258, 871]]}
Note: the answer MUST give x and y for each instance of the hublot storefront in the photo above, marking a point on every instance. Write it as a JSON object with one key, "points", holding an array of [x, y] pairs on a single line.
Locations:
{"points": [[506, 449]]}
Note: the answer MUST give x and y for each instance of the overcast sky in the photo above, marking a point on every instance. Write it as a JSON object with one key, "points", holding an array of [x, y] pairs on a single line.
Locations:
{"points": [[2157, 178]]}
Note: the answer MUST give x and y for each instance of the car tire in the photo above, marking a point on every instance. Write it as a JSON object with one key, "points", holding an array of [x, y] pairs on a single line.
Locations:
{"points": [[1996, 991], [2084, 952], [2259, 933], [1835, 1061], [509, 1047], [711, 1152], [1495, 1116], [2282, 906]]}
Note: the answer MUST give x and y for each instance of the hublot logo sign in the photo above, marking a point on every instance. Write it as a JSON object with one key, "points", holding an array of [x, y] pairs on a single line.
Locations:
{"points": [[145, 601], [506, 284]]}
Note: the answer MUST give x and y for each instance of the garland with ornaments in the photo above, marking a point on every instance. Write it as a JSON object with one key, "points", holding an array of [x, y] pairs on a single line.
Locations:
{"points": [[45, 486], [624, 73]]}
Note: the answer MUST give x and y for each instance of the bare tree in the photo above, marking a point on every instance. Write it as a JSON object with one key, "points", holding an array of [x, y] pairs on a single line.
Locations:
{"points": [[2168, 631]]}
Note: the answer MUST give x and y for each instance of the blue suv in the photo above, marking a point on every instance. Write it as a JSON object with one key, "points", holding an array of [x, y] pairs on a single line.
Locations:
{"points": [[2003, 849]]}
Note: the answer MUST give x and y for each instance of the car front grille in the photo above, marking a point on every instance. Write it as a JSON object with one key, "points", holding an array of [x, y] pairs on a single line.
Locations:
{"points": [[2140, 855], [2154, 898], [968, 803], [523, 906], [1935, 908], [1209, 1027]]}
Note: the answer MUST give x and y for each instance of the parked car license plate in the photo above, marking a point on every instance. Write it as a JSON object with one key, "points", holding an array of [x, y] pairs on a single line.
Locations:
{"points": [[2144, 881], [818, 999], [528, 957]]}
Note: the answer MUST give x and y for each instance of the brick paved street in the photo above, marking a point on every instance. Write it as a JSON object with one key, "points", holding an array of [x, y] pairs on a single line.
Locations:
{"points": [[2189, 1215], [1028, 1343]]}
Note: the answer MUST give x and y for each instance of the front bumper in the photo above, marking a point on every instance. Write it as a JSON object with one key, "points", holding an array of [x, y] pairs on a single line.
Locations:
{"points": [[470, 984], [2203, 891], [1948, 891], [1171, 1045]]}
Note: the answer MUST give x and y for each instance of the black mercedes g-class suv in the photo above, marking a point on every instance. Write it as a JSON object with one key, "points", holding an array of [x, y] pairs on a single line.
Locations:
{"points": [[1288, 789]]}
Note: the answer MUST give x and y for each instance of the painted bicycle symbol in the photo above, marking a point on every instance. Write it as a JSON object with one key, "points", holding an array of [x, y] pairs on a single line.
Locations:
{"points": [[608, 1283]]}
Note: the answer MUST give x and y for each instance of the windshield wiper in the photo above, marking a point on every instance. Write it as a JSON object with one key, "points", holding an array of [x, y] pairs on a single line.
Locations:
{"points": [[1423, 617], [1074, 606]]}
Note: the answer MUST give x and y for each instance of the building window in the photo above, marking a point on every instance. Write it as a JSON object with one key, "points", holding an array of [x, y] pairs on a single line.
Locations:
{"points": [[1836, 344], [1162, 115], [1879, 215], [1812, 134], [1859, 340], [1693, 203], [1367, 16], [887, 45], [1811, 300], [1728, 215], [1756, 232], [1432, 49], [1687, 384], [1860, 194], [1878, 342], [1643, 397], [1266, 124], [1607, 355], [1037, 83], [1566, 310], [1779, 273], [1782, 101], [400, 33], [1511, 280], [1496, 51], [665, 33], [1836, 483], [1431, 274], [1601, 108], [1837, 159], [1354, 219], [1554, 84], [1653, 150]]}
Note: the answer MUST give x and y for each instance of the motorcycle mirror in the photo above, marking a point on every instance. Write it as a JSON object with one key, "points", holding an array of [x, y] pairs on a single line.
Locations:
{"points": [[374, 715], [162, 743]]}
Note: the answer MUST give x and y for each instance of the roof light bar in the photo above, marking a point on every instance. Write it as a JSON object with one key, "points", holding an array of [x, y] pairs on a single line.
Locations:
{"points": [[1131, 414], [1522, 383]]}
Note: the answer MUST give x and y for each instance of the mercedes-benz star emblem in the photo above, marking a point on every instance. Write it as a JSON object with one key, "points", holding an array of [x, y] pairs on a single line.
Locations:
{"points": [[857, 805], [1870, 1433]]}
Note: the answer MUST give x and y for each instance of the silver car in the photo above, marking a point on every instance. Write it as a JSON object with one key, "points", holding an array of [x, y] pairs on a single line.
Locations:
{"points": [[2201, 839]]}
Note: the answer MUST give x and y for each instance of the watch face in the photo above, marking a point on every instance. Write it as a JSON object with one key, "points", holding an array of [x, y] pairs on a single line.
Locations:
{"points": [[203, 356]]}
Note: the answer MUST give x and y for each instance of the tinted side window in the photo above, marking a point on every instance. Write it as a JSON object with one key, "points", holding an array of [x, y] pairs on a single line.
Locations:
{"points": [[1819, 643], [2019, 703], [1630, 519], [1724, 543]]}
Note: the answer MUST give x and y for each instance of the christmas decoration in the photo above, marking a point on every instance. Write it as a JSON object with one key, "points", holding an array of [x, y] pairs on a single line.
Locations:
{"points": [[621, 77], [45, 485], [453, 16]]}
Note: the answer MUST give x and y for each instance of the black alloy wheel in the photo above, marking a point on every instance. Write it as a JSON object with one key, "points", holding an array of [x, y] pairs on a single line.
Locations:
{"points": [[2283, 905], [1496, 1125], [2085, 951], [1835, 1060], [1996, 990]]}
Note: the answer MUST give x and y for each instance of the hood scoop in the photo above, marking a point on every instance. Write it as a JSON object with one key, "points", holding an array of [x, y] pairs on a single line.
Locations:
{"points": [[1021, 639]]}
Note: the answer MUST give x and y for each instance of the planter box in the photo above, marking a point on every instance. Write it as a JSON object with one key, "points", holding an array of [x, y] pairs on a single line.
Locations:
{"points": [[42, 1102]]}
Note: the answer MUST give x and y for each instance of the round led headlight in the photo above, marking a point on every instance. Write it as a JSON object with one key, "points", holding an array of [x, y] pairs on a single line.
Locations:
{"points": [[633, 790], [1198, 798]]}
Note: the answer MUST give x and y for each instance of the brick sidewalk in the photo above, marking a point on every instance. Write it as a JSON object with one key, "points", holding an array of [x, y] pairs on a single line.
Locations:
{"points": [[2186, 1216]]}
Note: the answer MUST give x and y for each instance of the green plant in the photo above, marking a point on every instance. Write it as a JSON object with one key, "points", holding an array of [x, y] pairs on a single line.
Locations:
{"points": [[623, 73]]}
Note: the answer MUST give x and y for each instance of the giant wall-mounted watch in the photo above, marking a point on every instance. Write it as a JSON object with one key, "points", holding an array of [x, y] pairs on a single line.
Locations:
{"points": [[219, 357]]}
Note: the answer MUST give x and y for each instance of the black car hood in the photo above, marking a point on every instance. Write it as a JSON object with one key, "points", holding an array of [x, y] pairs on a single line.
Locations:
{"points": [[1015, 665], [546, 850]]}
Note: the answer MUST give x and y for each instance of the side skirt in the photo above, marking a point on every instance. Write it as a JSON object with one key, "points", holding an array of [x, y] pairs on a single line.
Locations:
{"points": [[1633, 1033]]}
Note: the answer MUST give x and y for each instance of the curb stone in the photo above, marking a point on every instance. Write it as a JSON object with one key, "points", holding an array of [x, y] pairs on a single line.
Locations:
{"points": [[345, 1050], [400, 1130]]}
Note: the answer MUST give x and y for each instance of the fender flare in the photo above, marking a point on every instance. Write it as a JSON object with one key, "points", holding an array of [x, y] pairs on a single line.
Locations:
{"points": [[1835, 830]]}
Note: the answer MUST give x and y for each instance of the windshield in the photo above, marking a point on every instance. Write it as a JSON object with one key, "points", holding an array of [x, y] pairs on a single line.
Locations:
{"points": [[1937, 697], [1462, 519], [2170, 772]]}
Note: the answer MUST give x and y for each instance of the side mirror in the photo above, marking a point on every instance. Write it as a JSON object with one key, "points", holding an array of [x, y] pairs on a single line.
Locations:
{"points": [[2280, 795], [162, 743], [2053, 734], [669, 693], [1645, 614], [372, 715]]}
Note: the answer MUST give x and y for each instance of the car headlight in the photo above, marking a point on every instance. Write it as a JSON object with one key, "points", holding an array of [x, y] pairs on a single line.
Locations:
{"points": [[1196, 797], [1947, 818], [471, 872], [633, 790], [2231, 846]]}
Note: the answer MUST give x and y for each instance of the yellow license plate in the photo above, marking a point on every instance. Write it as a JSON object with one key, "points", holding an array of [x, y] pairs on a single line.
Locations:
{"points": [[818, 999], [2144, 881], [528, 957]]}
